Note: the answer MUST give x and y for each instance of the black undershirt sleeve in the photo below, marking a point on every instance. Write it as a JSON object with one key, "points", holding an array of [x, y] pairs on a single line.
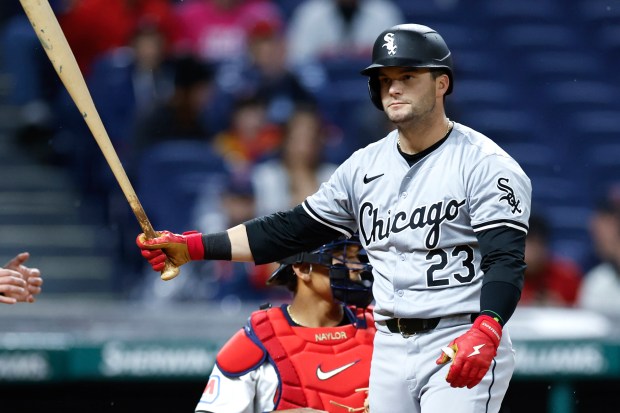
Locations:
{"points": [[503, 264], [280, 235]]}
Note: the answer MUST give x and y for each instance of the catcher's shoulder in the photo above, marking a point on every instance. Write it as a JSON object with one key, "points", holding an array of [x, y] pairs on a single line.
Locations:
{"points": [[240, 355]]}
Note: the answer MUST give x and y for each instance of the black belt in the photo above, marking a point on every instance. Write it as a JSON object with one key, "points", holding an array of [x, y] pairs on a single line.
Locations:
{"points": [[410, 326]]}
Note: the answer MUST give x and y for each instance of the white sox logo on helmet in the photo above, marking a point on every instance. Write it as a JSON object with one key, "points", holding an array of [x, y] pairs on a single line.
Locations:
{"points": [[389, 44]]}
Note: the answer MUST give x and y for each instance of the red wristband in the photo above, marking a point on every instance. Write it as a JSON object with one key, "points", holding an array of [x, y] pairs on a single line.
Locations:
{"points": [[490, 327], [195, 246]]}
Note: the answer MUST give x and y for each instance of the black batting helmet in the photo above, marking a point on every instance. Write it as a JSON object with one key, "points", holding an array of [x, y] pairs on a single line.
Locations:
{"points": [[344, 289], [407, 45]]}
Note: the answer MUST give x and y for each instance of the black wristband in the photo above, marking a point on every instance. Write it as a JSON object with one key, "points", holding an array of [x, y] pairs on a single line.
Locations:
{"points": [[217, 246]]}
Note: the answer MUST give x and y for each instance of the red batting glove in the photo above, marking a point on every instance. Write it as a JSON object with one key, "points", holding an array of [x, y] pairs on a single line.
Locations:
{"points": [[473, 353], [178, 248]]}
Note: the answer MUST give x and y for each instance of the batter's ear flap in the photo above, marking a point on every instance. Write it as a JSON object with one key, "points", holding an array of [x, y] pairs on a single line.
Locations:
{"points": [[374, 91]]}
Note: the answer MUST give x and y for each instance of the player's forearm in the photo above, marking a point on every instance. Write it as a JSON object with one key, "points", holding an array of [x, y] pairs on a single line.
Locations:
{"points": [[230, 245], [239, 244]]}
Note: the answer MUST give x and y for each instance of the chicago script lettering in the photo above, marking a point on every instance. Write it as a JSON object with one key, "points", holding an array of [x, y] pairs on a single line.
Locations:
{"points": [[432, 215]]}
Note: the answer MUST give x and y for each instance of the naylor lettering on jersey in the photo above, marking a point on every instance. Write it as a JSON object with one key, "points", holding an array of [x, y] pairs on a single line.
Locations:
{"points": [[423, 216], [337, 335]]}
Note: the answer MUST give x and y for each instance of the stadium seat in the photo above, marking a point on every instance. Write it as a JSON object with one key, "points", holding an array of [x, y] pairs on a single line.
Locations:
{"points": [[504, 12], [170, 177], [573, 65], [601, 164], [482, 93], [576, 96], [597, 13], [504, 126], [536, 158], [544, 37], [474, 63], [596, 127]]}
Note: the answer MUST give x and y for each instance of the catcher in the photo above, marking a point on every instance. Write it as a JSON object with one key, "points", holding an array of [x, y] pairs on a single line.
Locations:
{"points": [[312, 355]]}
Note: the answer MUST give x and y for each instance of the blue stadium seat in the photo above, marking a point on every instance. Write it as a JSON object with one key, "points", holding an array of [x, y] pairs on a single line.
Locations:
{"points": [[575, 96], [474, 63], [170, 177], [427, 12], [544, 37], [536, 158], [601, 164], [574, 65], [596, 127], [597, 13], [482, 93], [504, 126], [504, 12]]}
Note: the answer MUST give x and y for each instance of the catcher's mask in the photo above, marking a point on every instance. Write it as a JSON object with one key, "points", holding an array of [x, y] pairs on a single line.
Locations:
{"points": [[407, 45], [334, 256]]}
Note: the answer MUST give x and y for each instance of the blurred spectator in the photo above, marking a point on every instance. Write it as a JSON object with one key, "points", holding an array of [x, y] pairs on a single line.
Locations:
{"points": [[285, 181], [263, 72], [182, 115], [28, 81], [216, 30], [549, 280], [600, 290], [129, 81], [93, 27], [323, 29], [250, 135], [229, 280]]}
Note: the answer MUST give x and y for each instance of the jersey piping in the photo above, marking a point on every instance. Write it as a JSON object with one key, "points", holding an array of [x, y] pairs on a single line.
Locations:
{"points": [[500, 223], [346, 231]]}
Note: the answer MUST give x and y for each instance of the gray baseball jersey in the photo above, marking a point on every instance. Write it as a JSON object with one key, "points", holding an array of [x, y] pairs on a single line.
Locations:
{"points": [[418, 224]]}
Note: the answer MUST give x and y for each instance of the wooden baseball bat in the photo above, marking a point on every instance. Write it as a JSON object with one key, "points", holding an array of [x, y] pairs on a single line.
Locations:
{"points": [[54, 42]]}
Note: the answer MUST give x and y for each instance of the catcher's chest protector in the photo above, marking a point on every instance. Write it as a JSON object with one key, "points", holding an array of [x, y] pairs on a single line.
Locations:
{"points": [[316, 365]]}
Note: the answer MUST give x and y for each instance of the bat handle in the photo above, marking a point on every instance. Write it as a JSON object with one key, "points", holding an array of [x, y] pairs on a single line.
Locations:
{"points": [[170, 270]]}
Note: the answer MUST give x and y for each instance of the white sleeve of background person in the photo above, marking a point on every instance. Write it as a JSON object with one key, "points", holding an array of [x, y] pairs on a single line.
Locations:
{"points": [[250, 393]]}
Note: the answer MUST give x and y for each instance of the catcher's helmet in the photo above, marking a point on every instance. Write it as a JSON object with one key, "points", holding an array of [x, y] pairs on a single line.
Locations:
{"points": [[407, 45], [344, 289]]}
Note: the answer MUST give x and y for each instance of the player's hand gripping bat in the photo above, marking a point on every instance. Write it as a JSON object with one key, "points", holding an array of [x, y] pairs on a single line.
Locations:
{"points": [[52, 38]]}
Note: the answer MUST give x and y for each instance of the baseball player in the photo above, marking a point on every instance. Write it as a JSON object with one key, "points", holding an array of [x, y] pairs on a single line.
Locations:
{"points": [[442, 212], [313, 353]]}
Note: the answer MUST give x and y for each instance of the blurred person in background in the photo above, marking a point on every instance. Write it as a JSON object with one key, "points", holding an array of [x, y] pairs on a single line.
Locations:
{"points": [[549, 280], [28, 82], [217, 30], [19, 283], [182, 115], [335, 29], [231, 282], [93, 27], [264, 72], [130, 80], [282, 358], [250, 135], [600, 289], [282, 182]]}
